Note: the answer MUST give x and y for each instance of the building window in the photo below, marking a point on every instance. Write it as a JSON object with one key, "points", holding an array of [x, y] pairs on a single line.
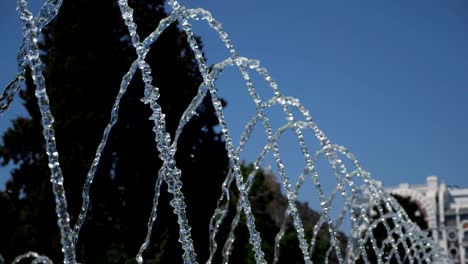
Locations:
{"points": [[464, 223], [463, 217], [450, 220]]}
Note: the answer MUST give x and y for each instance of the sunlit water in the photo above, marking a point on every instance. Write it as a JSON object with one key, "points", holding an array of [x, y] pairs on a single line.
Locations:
{"points": [[351, 179]]}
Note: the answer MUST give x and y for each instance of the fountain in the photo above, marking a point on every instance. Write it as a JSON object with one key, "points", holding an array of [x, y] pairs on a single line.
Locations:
{"points": [[352, 180]]}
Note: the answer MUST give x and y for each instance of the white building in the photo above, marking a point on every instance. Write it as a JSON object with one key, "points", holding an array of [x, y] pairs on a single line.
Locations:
{"points": [[446, 212]]}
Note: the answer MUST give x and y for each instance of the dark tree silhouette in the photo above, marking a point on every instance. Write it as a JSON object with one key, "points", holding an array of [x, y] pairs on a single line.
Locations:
{"points": [[414, 212], [269, 205], [87, 50]]}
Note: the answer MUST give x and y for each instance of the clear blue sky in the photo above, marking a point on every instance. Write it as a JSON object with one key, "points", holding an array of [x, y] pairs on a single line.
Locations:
{"points": [[387, 79]]}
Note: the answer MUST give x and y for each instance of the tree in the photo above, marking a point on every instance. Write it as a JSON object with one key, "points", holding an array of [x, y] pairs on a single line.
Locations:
{"points": [[87, 50], [85, 58], [269, 205], [413, 210], [380, 233]]}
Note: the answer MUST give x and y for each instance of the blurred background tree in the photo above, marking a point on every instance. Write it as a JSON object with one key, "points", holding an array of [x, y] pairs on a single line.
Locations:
{"points": [[269, 205], [414, 212], [86, 51]]}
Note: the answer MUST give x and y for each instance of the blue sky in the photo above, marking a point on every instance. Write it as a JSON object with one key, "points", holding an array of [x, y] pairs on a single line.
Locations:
{"points": [[387, 79]]}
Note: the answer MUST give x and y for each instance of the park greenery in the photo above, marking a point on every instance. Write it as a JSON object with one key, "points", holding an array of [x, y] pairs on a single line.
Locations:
{"points": [[86, 51], [380, 232]]}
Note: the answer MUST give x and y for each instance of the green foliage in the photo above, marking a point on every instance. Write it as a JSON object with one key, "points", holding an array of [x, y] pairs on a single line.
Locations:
{"points": [[87, 50], [380, 233], [413, 210], [268, 205]]}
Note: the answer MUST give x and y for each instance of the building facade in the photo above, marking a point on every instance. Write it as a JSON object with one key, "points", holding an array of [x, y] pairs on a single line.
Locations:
{"points": [[445, 210]]}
